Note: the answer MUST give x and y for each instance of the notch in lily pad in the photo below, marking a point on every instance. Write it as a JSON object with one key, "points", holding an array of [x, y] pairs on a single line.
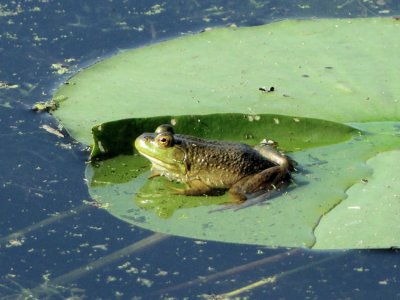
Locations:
{"points": [[292, 133]]}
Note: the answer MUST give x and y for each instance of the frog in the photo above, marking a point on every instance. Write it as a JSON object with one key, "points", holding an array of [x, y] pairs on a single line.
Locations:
{"points": [[212, 167]]}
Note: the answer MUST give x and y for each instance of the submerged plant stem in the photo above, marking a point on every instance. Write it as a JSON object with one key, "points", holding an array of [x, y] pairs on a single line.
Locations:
{"points": [[43, 223], [137, 246], [274, 278], [231, 271]]}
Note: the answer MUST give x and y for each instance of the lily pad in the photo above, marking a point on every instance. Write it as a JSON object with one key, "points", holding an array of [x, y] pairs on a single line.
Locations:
{"points": [[289, 74], [115, 139], [289, 220], [343, 70], [364, 213]]}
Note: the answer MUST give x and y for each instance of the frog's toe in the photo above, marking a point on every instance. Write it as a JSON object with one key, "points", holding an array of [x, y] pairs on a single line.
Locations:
{"points": [[176, 191]]}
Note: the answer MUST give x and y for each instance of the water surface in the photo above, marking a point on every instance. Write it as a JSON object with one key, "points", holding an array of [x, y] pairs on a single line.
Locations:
{"points": [[55, 243]]}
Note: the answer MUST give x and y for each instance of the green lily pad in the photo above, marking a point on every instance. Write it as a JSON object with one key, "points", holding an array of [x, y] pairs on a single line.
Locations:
{"points": [[115, 139], [311, 73], [288, 220], [343, 70], [367, 211]]}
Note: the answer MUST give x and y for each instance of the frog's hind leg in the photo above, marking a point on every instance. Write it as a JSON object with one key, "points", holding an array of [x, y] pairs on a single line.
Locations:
{"points": [[267, 180], [247, 192]]}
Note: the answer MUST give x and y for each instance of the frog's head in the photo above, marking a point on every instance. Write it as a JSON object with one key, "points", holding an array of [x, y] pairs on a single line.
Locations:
{"points": [[163, 150]]}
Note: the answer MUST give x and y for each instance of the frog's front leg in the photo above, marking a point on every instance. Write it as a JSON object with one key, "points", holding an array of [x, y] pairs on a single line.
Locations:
{"points": [[266, 180], [196, 188], [154, 173]]}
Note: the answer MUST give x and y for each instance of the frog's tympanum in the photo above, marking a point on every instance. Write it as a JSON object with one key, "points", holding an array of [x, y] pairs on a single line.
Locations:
{"points": [[210, 167]]}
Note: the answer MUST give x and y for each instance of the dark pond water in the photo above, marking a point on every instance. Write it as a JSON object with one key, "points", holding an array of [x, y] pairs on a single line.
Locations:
{"points": [[53, 246]]}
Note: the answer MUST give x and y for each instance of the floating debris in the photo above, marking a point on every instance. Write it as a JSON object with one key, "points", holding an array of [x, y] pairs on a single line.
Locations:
{"points": [[6, 85], [266, 90], [52, 131], [49, 106], [60, 68]]}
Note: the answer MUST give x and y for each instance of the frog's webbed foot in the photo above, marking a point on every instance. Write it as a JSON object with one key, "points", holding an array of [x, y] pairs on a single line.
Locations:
{"points": [[243, 204], [262, 199], [189, 191], [177, 191]]}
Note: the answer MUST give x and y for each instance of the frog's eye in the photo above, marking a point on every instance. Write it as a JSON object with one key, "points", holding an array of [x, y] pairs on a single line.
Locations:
{"points": [[165, 140]]}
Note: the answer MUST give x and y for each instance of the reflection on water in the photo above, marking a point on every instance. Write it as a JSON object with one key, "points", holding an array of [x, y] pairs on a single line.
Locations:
{"points": [[54, 246]]}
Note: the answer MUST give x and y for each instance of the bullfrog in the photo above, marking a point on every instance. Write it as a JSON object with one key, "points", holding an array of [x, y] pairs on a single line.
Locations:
{"points": [[210, 167]]}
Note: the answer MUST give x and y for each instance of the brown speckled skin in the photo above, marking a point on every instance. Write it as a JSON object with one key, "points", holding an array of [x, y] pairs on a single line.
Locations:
{"points": [[220, 164]]}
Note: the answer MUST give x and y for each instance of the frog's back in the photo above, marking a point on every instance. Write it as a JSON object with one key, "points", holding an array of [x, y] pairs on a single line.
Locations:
{"points": [[220, 163]]}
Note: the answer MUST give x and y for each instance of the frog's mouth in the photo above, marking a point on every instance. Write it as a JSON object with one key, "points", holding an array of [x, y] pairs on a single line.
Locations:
{"points": [[174, 167], [157, 162]]}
